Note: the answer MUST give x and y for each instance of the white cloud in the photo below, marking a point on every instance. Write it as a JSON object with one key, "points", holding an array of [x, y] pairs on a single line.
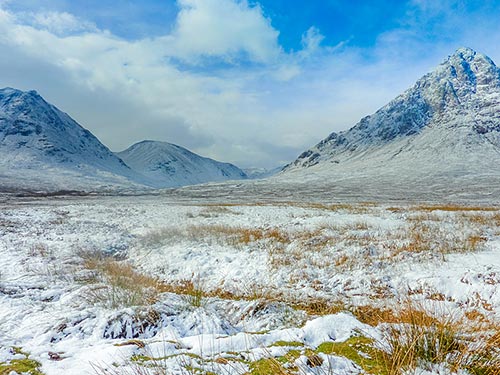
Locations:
{"points": [[223, 28], [60, 23], [312, 39]]}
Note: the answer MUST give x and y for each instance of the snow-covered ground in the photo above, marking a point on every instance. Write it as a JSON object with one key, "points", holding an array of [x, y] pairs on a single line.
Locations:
{"points": [[259, 278]]}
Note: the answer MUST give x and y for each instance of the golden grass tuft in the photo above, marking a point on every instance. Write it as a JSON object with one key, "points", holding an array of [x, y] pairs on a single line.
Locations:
{"points": [[418, 337], [117, 284]]}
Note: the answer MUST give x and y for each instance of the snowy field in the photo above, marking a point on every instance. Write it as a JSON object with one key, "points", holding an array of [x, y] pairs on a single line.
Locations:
{"points": [[153, 285]]}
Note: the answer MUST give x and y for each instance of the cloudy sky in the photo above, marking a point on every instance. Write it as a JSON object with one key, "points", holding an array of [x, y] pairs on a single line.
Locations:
{"points": [[250, 82]]}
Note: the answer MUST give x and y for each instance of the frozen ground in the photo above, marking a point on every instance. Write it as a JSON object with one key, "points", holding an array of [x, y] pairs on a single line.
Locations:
{"points": [[228, 285]]}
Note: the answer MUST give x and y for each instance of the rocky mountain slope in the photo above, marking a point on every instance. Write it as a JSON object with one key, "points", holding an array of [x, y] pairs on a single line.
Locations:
{"points": [[169, 165], [42, 148], [445, 128]]}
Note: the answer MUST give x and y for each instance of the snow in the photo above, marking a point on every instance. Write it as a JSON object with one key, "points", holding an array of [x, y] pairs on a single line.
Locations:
{"points": [[45, 308], [332, 328]]}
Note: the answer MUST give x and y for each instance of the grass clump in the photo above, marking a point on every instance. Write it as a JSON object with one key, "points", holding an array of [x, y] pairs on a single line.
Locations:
{"points": [[415, 337], [192, 294], [358, 349], [117, 284], [422, 339], [21, 366], [428, 237], [268, 366]]}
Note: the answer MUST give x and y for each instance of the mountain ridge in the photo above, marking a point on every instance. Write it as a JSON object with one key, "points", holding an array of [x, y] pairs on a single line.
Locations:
{"points": [[170, 165], [43, 148]]}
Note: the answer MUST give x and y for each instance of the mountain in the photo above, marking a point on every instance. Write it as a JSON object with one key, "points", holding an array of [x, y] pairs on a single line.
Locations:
{"points": [[445, 130], [169, 165], [259, 173], [42, 148]]}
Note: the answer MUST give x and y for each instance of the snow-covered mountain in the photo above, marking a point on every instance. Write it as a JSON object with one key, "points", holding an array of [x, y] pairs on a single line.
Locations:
{"points": [[169, 165], [447, 126], [42, 148]]}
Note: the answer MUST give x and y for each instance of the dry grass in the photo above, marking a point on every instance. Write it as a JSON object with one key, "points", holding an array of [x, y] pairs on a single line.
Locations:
{"points": [[419, 338], [424, 233], [319, 306], [359, 207], [218, 233], [116, 283], [456, 208], [423, 236], [373, 315]]}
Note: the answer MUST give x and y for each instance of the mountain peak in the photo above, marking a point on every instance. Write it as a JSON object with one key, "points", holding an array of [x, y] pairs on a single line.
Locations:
{"points": [[12, 91], [453, 108], [469, 66], [169, 165], [41, 143], [469, 56], [465, 53]]}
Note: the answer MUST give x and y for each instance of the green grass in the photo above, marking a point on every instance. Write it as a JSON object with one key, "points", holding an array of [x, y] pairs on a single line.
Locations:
{"points": [[21, 366], [358, 349]]}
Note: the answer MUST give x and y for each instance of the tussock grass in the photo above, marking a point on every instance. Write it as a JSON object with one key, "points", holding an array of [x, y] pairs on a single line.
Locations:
{"points": [[418, 337], [429, 235], [116, 283], [319, 306]]}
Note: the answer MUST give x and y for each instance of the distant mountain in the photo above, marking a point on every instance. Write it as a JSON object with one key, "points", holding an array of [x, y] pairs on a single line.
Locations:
{"points": [[446, 127], [42, 148], [258, 173], [169, 165]]}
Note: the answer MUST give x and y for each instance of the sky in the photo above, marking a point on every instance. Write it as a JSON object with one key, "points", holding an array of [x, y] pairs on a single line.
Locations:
{"points": [[254, 83]]}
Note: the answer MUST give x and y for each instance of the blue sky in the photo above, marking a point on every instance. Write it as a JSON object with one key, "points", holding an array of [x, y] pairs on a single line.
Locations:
{"points": [[250, 82]]}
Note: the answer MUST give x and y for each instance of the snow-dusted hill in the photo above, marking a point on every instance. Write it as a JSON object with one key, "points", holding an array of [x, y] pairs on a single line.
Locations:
{"points": [[445, 129], [169, 165], [42, 148]]}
